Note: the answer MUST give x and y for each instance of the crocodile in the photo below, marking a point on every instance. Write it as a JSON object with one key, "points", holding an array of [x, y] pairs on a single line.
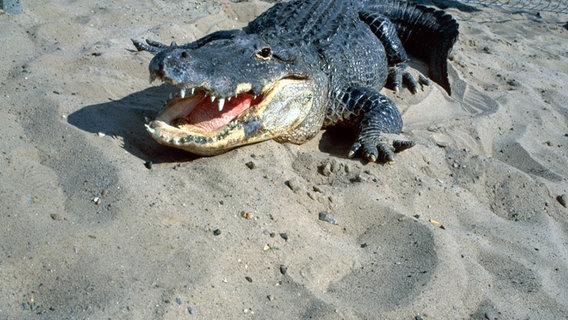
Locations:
{"points": [[299, 67]]}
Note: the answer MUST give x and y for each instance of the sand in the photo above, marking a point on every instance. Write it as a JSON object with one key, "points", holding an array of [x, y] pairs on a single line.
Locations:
{"points": [[99, 222]]}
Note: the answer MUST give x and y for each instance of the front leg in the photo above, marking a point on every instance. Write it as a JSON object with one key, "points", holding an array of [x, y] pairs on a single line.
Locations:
{"points": [[373, 114]]}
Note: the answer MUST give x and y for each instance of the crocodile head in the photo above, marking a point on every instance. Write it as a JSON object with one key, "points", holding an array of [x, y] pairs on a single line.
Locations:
{"points": [[234, 89]]}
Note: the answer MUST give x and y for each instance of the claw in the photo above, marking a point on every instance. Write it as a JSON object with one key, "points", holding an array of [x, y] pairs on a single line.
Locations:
{"points": [[409, 81], [423, 80], [354, 148], [386, 153]]}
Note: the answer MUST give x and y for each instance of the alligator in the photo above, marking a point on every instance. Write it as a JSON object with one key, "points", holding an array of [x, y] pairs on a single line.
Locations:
{"points": [[299, 67]]}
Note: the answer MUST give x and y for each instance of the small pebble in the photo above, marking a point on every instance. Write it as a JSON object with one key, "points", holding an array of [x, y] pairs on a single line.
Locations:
{"points": [[270, 297], [97, 200], [284, 236], [442, 144], [327, 217], [563, 200], [57, 217], [513, 83], [247, 215], [294, 184], [325, 169], [249, 279], [283, 269], [148, 164], [190, 310], [101, 134], [251, 165], [216, 232], [178, 301]]}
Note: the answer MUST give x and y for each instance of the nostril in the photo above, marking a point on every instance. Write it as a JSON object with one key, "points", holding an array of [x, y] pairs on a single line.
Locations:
{"points": [[184, 54]]}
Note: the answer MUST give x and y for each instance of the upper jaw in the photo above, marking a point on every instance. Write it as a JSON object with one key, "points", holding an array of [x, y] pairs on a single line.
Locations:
{"points": [[220, 99], [221, 96]]}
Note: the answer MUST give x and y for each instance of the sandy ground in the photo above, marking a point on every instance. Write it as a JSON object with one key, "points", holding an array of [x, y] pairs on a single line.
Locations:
{"points": [[467, 224]]}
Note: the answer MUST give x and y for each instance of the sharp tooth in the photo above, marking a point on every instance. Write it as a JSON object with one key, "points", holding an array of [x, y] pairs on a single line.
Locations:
{"points": [[254, 97], [212, 98], [182, 93], [171, 95], [150, 129], [229, 98], [192, 91], [221, 104]]}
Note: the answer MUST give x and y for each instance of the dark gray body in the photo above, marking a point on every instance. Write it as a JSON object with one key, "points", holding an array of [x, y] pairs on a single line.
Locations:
{"points": [[349, 49]]}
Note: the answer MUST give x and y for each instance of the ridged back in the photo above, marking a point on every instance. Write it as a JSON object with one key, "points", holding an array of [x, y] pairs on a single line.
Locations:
{"points": [[302, 20], [329, 25]]}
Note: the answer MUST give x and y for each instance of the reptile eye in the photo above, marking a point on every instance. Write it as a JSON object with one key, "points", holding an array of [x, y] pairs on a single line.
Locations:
{"points": [[264, 53]]}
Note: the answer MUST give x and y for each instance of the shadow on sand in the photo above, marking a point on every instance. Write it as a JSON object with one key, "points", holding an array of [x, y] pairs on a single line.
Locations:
{"points": [[125, 118]]}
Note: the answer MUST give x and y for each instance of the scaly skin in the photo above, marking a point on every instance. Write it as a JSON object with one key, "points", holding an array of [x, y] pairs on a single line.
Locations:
{"points": [[298, 67]]}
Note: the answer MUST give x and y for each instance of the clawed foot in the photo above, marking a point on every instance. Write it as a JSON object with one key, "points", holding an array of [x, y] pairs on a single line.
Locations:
{"points": [[379, 151], [398, 77]]}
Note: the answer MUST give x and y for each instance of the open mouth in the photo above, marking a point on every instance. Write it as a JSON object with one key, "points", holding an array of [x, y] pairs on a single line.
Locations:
{"points": [[198, 121], [197, 110]]}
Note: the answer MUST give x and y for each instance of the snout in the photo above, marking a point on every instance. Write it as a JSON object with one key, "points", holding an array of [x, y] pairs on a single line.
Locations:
{"points": [[170, 65]]}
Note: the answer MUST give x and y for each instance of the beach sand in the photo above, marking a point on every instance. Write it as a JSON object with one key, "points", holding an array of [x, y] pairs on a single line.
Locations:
{"points": [[100, 222]]}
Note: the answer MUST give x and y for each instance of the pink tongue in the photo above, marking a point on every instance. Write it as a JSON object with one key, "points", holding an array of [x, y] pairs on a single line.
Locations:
{"points": [[207, 117]]}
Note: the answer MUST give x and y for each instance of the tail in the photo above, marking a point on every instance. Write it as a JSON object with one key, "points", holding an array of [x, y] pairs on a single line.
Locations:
{"points": [[426, 33]]}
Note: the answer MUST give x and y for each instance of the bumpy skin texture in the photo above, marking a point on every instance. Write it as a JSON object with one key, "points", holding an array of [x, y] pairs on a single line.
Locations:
{"points": [[347, 49]]}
